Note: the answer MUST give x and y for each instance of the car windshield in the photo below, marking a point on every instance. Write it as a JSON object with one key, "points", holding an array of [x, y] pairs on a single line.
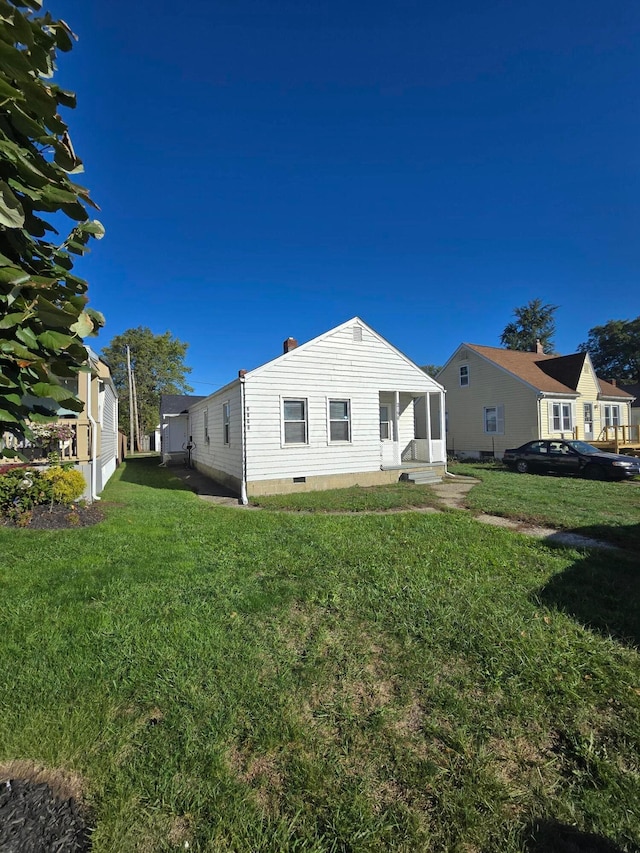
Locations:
{"points": [[583, 447]]}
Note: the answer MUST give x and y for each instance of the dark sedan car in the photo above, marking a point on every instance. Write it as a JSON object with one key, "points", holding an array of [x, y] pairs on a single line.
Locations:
{"points": [[571, 457]]}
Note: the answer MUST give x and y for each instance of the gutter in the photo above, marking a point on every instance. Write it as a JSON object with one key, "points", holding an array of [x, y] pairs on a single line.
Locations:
{"points": [[244, 500]]}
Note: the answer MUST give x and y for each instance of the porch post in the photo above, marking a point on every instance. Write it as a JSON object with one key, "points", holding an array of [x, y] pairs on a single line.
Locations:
{"points": [[443, 424], [427, 398], [396, 427]]}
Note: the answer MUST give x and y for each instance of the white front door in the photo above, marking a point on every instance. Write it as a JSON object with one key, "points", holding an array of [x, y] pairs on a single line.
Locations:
{"points": [[387, 444], [588, 421]]}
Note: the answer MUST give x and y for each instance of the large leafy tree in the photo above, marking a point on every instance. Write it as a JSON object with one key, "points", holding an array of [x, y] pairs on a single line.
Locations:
{"points": [[534, 322], [43, 313], [158, 365], [615, 349]]}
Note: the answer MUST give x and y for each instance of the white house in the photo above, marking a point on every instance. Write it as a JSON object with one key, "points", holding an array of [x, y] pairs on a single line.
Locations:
{"points": [[345, 408], [173, 431]]}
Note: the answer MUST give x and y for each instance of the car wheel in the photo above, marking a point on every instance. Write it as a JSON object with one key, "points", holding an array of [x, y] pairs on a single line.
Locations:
{"points": [[522, 466], [594, 472]]}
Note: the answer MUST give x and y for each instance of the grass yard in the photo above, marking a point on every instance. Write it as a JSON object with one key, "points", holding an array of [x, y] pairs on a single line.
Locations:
{"points": [[400, 495], [601, 510], [261, 681]]}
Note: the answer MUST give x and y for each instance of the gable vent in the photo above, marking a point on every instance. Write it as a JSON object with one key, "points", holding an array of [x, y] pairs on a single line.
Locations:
{"points": [[463, 355], [357, 334]]}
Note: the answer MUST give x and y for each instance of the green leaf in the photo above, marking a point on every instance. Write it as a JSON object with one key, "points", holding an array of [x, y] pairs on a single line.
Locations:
{"points": [[10, 320], [93, 227], [14, 399], [44, 390], [28, 338], [11, 212], [8, 417], [83, 326], [55, 340], [13, 275], [8, 92]]}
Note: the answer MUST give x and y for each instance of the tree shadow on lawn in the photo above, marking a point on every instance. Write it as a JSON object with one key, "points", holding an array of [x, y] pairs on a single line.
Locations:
{"points": [[550, 836], [147, 471], [601, 590]]}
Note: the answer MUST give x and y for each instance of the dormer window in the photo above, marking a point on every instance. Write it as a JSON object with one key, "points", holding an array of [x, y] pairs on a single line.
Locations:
{"points": [[464, 375]]}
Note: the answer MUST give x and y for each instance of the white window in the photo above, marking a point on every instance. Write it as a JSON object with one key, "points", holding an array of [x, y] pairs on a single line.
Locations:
{"points": [[464, 375], [494, 420], [612, 416], [385, 424], [561, 419], [339, 420], [226, 423], [206, 425], [294, 419]]}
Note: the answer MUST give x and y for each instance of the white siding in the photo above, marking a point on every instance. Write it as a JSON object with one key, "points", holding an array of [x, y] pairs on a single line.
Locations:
{"points": [[215, 454], [335, 366], [109, 435]]}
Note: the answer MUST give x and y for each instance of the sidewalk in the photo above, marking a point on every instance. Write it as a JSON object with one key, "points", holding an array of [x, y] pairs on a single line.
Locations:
{"points": [[206, 488]]}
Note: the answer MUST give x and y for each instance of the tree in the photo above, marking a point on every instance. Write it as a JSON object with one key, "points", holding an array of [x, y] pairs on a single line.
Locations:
{"points": [[43, 313], [615, 349], [534, 322], [158, 364], [432, 370]]}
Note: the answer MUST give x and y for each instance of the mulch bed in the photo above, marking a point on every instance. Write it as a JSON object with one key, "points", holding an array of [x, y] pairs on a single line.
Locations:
{"points": [[57, 517], [34, 820]]}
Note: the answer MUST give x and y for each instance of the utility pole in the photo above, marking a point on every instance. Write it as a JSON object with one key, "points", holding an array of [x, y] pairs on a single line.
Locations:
{"points": [[135, 411], [130, 400]]}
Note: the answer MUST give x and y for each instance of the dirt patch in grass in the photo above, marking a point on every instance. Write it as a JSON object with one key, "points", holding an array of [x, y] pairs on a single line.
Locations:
{"points": [[57, 517]]}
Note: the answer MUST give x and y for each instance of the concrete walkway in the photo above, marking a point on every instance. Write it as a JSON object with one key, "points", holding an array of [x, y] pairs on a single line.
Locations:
{"points": [[452, 492]]}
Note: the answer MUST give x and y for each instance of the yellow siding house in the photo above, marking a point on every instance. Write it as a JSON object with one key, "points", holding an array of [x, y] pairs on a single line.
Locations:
{"points": [[500, 398]]}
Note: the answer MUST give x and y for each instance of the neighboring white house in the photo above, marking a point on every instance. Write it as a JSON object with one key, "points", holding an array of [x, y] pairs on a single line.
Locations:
{"points": [[173, 432], [345, 408]]}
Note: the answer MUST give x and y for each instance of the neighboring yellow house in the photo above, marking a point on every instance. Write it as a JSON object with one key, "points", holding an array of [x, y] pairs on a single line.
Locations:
{"points": [[499, 398], [90, 437]]}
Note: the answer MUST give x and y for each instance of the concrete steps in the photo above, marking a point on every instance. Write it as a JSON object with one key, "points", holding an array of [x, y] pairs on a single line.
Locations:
{"points": [[424, 478]]}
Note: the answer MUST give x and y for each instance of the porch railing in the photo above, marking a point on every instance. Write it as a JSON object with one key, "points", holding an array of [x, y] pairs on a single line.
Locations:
{"points": [[37, 452], [621, 435], [418, 451]]}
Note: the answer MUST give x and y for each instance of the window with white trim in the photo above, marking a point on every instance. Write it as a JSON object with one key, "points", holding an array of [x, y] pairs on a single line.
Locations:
{"points": [[294, 420], [339, 420], [385, 424], [561, 419], [464, 375], [226, 423], [611, 415], [494, 420]]}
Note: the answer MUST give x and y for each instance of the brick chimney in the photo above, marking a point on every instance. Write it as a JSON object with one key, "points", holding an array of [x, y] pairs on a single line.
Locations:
{"points": [[539, 349], [613, 382], [289, 344]]}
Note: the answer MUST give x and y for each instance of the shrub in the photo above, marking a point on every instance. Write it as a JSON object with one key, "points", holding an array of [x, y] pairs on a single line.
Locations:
{"points": [[22, 489], [67, 484]]}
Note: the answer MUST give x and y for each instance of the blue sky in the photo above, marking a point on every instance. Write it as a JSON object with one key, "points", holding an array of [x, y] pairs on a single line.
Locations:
{"points": [[268, 168]]}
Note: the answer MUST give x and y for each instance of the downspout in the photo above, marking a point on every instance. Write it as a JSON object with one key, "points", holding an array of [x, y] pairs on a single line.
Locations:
{"points": [[93, 436], [244, 500], [539, 416]]}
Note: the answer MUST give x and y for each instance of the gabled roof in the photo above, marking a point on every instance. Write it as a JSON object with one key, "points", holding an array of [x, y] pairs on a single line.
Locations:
{"points": [[293, 354], [550, 374], [176, 404], [634, 390]]}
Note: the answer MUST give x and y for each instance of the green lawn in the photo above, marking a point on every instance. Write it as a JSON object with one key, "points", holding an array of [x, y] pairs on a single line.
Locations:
{"points": [[400, 495], [608, 511], [253, 681]]}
